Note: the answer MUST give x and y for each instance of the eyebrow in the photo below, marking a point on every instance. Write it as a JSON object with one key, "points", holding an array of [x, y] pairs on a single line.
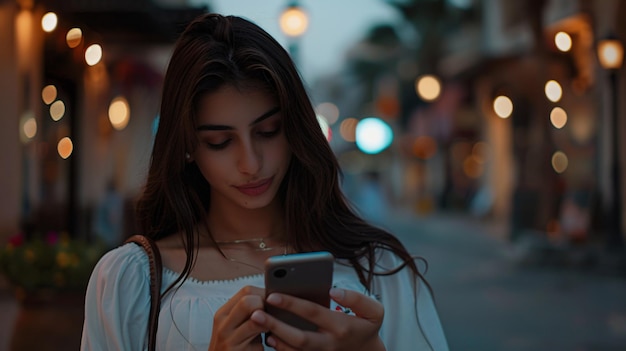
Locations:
{"points": [[266, 115]]}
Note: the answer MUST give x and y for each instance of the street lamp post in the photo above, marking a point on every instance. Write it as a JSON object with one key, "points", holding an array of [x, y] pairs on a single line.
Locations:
{"points": [[294, 22], [610, 55]]}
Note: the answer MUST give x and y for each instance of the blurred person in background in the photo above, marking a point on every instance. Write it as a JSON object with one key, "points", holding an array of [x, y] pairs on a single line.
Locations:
{"points": [[109, 217], [241, 171]]}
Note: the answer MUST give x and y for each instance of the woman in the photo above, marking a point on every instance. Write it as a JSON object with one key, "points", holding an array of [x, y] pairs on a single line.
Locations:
{"points": [[241, 171]]}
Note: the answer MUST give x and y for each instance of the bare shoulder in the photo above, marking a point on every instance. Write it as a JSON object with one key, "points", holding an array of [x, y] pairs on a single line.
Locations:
{"points": [[170, 242]]}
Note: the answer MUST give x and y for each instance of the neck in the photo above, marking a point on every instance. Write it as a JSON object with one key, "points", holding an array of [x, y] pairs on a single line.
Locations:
{"points": [[228, 224]]}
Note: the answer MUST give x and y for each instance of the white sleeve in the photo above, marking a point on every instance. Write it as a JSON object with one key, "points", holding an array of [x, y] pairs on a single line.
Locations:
{"points": [[411, 320], [117, 301]]}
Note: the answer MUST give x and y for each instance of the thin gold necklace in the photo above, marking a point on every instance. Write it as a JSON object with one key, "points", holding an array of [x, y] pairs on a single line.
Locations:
{"points": [[262, 245], [264, 248]]}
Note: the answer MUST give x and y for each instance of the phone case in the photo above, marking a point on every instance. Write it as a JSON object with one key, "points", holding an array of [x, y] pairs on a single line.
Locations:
{"points": [[305, 275]]}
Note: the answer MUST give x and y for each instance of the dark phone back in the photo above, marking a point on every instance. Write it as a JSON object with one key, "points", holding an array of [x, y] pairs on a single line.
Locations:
{"points": [[305, 275]]}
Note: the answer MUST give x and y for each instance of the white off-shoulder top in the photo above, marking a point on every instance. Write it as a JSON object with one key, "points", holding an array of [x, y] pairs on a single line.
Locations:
{"points": [[117, 305]]}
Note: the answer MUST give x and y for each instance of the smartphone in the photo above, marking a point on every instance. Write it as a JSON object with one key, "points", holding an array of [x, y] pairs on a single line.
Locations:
{"points": [[306, 275]]}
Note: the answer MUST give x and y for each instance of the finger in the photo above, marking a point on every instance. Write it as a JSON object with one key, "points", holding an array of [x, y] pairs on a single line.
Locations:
{"points": [[279, 345], [284, 336], [248, 333], [245, 291], [362, 305], [233, 315]]}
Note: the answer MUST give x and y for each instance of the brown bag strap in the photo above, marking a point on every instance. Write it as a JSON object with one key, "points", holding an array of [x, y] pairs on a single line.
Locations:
{"points": [[156, 274]]}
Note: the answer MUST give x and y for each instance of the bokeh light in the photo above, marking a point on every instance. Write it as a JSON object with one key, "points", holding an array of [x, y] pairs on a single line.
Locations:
{"points": [[424, 147], [610, 53], [503, 106], [428, 87], [65, 147], [57, 110], [553, 90], [74, 37], [49, 22], [329, 110], [373, 135], [93, 54], [558, 117], [559, 161], [119, 113], [473, 167], [294, 21], [28, 126], [347, 129], [563, 41], [49, 94]]}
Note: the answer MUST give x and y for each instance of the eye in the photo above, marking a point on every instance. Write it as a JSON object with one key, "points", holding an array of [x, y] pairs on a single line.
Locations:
{"points": [[269, 134], [218, 146]]}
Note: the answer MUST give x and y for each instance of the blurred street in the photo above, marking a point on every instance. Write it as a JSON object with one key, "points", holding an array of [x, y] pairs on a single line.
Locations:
{"points": [[487, 300]]}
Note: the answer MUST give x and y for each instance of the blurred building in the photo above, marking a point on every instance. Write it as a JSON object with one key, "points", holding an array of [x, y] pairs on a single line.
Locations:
{"points": [[543, 167], [79, 93]]}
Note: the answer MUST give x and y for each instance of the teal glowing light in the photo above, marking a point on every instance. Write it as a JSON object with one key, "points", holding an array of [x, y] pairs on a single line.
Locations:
{"points": [[373, 135]]}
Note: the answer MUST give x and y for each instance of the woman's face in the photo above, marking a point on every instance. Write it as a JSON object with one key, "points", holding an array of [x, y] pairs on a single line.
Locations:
{"points": [[242, 152]]}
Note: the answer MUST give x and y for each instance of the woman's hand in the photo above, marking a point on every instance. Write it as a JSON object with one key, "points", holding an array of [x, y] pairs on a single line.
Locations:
{"points": [[337, 331], [233, 330]]}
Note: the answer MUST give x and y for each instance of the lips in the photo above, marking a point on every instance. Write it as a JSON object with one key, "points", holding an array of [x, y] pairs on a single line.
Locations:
{"points": [[256, 188]]}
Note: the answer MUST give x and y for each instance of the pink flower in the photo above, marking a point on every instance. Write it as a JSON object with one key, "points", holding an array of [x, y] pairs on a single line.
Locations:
{"points": [[52, 238]]}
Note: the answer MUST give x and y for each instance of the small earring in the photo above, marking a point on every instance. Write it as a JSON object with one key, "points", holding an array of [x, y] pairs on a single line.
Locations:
{"points": [[187, 156]]}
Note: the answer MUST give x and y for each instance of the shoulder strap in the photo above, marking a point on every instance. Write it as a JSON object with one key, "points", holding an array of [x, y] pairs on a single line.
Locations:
{"points": [[156, 274]]}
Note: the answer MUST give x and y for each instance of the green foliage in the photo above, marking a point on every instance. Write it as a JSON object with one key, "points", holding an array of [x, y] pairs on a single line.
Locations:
{"points": [[52, 262]]}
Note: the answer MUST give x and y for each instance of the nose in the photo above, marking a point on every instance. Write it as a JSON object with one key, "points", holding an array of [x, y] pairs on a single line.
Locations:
{"points": [[249, 161]]}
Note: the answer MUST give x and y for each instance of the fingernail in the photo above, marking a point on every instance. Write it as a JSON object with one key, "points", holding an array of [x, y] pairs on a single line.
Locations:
{"points": [[274, 299], [337, 294], [258, 317], [270, 341]]}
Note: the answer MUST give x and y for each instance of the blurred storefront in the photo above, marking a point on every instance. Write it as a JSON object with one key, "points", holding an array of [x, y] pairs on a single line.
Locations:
{"points": [[79, 89], [520, 128], [544, 165]]}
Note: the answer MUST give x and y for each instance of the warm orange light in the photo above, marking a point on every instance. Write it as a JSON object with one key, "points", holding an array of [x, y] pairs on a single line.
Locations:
{"points": [[49, 21], [93, 54], [553, 90], [49, 94], [428, 87], [65, 147], [424, 147], [558, 117], [563, 41], [347, 129], [119, 113], [610, 53], [57, 110], [503, 106], [294, 21], [28, 127], [73, 37]]}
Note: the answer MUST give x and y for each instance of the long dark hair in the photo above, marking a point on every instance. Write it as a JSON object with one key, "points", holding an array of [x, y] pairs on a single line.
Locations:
{"points": [[215, 50]]}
